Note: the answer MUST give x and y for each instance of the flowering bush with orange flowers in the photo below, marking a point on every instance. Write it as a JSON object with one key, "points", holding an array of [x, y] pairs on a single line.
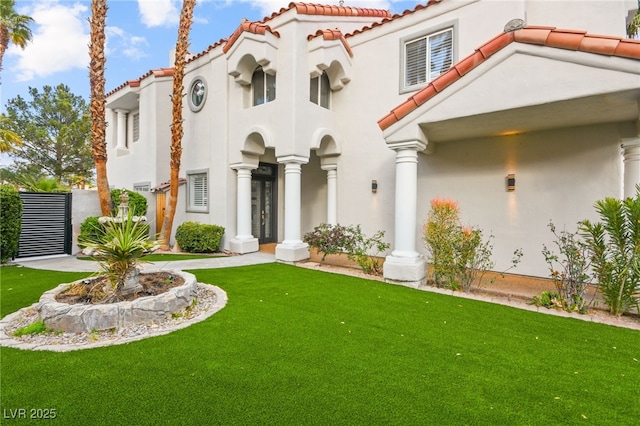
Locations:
{"points": [[460, 257]]}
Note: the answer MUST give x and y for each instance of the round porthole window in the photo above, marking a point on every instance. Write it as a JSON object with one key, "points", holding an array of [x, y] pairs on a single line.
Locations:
{"points": [[197, 94]]}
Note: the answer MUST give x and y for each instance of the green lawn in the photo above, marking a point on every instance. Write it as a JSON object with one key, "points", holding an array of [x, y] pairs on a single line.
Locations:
{"points": [[297, 346], [166, 257]]}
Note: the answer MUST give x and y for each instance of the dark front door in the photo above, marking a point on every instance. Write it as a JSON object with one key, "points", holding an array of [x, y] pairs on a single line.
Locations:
{"points": [[263, 203]]}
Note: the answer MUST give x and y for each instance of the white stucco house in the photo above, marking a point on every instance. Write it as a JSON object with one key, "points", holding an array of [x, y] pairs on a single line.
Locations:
{"points": [[348, 115]]}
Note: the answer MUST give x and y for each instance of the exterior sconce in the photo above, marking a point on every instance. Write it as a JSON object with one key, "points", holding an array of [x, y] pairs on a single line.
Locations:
{"points": [[374, 186], [511, 182]]}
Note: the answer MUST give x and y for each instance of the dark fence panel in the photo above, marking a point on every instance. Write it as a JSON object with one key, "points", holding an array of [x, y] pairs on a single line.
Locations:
{"points": [[46, 224]]}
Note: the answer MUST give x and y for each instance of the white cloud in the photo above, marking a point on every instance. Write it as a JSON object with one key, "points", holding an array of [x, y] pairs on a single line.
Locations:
{"points": [[59, 43], [121, 43], [159, 13]]}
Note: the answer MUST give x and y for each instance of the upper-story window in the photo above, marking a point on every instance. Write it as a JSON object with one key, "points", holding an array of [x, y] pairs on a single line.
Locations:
{"points": [[427, 57], [136, 127], [320, 90], [263, 86]]}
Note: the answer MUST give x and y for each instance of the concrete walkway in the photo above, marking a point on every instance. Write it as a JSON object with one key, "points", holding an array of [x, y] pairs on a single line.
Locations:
{"points": [[73, 264]]}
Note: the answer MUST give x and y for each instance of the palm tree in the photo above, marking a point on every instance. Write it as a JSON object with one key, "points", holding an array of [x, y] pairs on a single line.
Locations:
{"points": [[9, 140], [98, 102], [182, 46], [14, 28]]}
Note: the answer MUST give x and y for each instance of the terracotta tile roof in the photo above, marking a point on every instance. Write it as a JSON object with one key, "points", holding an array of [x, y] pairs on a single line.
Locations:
{"points": [[164, 186], [251, 27], [160, 72], [543, 36], [260, 27], [208, 49], [330, 10], [390, 18], [332, 35]]}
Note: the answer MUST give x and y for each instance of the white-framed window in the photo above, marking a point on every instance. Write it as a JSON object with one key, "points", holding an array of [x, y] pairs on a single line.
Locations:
{"points": [[320, 90], [198, 191], [136, 126], [426, 57], [263, 87], [142, 186]]}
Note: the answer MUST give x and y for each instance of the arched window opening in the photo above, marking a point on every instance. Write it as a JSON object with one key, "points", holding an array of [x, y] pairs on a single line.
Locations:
{"points": [[263, 86], [320, 90]]}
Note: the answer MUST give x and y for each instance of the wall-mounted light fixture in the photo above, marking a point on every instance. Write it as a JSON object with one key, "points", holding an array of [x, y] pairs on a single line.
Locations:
{"points": [[511, 182], [374, 186]]}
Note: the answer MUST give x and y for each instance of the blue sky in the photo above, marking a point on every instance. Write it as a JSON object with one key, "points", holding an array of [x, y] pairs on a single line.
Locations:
{"points": [[140, 35]]}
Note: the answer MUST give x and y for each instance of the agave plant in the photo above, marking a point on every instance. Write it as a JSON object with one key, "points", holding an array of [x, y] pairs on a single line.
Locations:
{"points": [[614, 246], [120, 249]]}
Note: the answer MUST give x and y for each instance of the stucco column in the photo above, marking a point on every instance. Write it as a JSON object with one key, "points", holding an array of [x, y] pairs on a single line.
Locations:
{"points": [[631, 153], [121, 135], [404, 265], [292, 248], [243, 242], [332, 193]]}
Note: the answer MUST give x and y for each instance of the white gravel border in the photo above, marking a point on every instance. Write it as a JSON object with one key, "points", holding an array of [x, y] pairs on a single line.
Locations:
{"points": [[210, 300]]}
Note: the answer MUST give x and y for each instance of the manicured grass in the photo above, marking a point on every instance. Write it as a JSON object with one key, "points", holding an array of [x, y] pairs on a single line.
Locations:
{"points": [[157, 257], [296, 346]]}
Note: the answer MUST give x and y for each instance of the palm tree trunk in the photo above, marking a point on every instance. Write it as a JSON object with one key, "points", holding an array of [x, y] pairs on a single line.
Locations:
{"points": [[98, 102], [4, 41], [182, 46]]}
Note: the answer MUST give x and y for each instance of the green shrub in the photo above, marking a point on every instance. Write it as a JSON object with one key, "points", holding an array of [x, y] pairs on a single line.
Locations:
{"points": [[569, 269], [120, 249], [614, 246], [137, 202], [10, 222], [194, 237], [460, 256], [327, 239], [334, 239], [90, 230], [548, 299]]}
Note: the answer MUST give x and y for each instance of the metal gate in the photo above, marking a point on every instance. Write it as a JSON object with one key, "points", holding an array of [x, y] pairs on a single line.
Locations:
{"points": [[46, 224]]}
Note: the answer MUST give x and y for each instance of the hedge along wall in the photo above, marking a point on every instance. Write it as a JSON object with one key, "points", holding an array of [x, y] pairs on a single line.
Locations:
{"points": [[10, 222]]}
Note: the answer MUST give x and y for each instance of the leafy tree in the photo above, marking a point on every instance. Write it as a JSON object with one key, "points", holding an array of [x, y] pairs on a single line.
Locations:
{"points": [[14, 28], [98, 102], [182, 46], [54, 126]]}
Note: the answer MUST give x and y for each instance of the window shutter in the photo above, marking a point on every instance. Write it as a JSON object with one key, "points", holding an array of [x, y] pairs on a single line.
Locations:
{"points": [[136, 127], [440, 53], [199, 190], [415, 66]]}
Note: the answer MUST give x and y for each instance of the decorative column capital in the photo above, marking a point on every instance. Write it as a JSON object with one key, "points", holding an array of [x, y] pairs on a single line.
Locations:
{"points": [[412, 145], [328, 167], [243, 166], [293, 159]]}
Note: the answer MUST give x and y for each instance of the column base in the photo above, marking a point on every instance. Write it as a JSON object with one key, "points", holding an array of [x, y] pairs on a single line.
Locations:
{"points": [[242, 246], [292, 252], [406, 271]]}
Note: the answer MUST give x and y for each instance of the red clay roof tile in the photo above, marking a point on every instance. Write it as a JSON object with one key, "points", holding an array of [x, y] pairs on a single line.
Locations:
{"points": [[545, 36], [332, 34], [495, 44], [251, 27]]}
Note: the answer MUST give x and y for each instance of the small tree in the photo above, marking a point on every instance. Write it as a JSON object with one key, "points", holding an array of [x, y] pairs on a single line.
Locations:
{"points": [[10, 222], [460, 256], [614, 247], [569, 269], [120, 249]]}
